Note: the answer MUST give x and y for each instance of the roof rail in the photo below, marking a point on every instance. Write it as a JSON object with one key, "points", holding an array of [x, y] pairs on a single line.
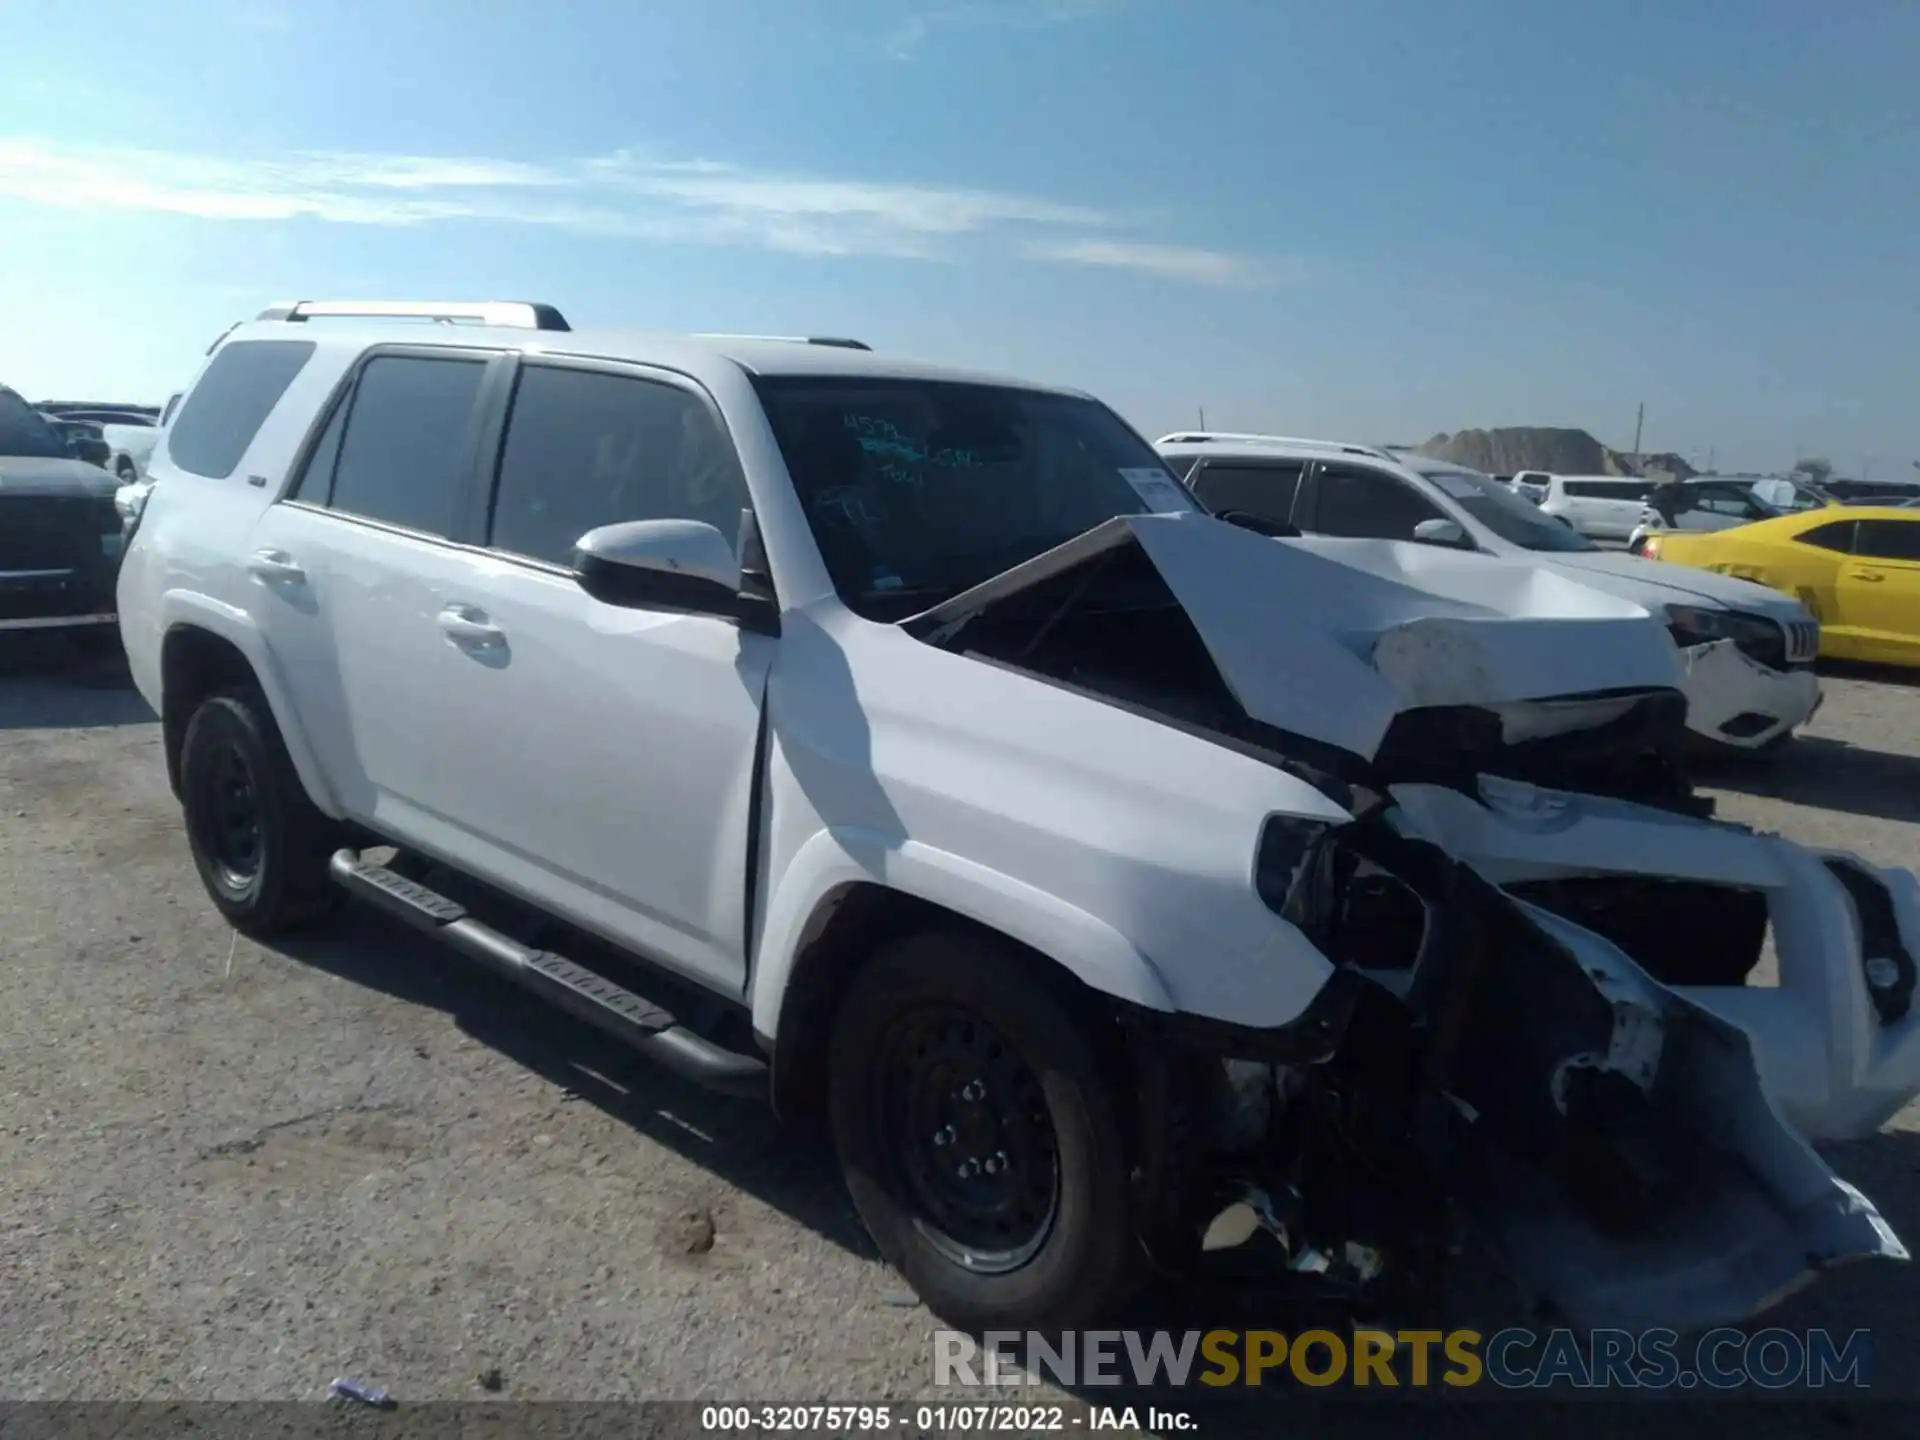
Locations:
{"points": [[1199, 437], [838, 342], [517, 314]]}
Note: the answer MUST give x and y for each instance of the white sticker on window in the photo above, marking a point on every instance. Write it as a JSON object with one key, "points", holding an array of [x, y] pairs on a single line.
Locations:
{"points": [[1157, 489]]}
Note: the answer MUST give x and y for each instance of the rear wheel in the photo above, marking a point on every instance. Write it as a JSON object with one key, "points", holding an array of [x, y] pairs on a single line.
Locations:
{"points": [[260, 844], [978, 1137]]}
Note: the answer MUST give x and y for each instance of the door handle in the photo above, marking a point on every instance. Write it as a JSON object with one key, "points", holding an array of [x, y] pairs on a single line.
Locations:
{"points": [[466, 626], [274, 565], [1871, 577]]}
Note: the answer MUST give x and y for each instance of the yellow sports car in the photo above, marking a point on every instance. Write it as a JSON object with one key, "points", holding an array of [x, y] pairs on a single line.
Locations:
{"points": [[1857, 568]]}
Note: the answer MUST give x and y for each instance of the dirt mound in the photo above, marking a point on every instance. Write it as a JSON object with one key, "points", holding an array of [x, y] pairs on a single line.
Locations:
{"points": [[1555, 449]]}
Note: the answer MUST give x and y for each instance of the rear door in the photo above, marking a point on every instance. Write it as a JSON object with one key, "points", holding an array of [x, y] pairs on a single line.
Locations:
{"points": [[354, 567], [1718, 507], [1880, 590], [605, 754], [1265, 489], [1605, 509]]}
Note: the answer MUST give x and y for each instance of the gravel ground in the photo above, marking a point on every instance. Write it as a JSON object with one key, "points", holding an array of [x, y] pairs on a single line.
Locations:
{"points": [[234, 1172]]}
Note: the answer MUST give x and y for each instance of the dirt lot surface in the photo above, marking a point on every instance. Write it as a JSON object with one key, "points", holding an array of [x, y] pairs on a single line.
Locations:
{"points": [[233, 1172]]}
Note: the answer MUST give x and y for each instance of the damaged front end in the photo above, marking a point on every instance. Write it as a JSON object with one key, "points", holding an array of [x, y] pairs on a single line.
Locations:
{"points": [[1479, 1061]]}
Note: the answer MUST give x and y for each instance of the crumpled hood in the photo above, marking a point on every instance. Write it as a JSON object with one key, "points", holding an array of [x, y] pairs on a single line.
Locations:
{"points": [[1334, 641], [24, 475], [1656, 582]]}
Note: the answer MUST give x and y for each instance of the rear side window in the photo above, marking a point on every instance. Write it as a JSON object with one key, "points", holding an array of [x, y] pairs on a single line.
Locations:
{"points": [[1605, 489], [585, 448], [1888, 539], [404, 456], [1263, 491], [232, 401], [1834, 535]]}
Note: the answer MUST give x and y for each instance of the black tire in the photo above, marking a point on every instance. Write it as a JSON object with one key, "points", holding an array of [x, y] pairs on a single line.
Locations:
{"points": [[233, 764], [1080, 1262]]}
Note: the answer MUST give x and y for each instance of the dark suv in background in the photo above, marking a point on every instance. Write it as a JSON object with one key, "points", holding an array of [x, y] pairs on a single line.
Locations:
{"points": [[60, 536]]}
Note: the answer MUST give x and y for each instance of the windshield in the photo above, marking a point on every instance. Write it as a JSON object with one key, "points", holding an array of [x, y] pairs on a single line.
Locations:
{"points": [[1513, 518], [24, 433], [919, 489]]}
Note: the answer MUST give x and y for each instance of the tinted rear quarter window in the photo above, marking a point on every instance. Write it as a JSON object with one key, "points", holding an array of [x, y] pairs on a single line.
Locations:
{"points": [[405, 455], [1265, 491], [1834, 535], [232, 401], [1888, 539]]}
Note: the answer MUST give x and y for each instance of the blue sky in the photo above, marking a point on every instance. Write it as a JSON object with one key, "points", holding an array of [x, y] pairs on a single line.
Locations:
{"points": [[1371, 219]]}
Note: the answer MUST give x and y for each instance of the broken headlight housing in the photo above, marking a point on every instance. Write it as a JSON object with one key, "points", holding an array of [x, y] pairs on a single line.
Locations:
{"points": [[1295, 871], [1755, 636], [1354, 912]]}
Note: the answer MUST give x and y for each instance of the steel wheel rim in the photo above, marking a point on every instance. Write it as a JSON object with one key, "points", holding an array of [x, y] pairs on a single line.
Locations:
{"points": [[230, 828], [967, 1126]]}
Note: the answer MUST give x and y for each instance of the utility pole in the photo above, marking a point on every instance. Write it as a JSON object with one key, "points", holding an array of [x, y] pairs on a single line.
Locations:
{"points": [[1203, 417], [1639, 420]]}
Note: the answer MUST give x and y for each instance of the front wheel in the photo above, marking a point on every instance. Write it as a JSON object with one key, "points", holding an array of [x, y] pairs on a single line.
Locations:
{"points": [[978, 1137], [260, 844]]}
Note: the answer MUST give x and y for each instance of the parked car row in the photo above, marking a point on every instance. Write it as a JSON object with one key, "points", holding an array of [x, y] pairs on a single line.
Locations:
{"points": [[1191, 859]]}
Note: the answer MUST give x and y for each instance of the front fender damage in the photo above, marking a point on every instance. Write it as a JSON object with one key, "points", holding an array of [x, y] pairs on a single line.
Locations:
{"points": [[1480, 1065]]}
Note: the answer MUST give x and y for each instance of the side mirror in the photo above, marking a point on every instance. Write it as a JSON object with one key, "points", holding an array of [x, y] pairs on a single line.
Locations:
{"points": [[683, 565], [1442, 532], [1272, 529]]}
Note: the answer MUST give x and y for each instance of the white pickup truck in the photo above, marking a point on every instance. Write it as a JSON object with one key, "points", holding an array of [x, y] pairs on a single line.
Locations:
{"points": [[904, 744]]}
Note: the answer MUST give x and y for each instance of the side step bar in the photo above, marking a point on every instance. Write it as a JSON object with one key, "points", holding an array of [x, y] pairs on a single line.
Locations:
{"points": [[581, 992]]}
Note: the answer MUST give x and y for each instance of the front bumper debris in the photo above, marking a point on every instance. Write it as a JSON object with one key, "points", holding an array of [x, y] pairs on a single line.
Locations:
{"points": [[1636, 1152], [1837, 1068]]}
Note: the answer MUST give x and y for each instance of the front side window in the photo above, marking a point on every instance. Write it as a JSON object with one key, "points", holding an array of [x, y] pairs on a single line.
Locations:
{"points": [[1730, 500], [586, 448], [918, 489], [1888, 539], [223, 413], [1264, 491], [404, 452], [1366, 503]]}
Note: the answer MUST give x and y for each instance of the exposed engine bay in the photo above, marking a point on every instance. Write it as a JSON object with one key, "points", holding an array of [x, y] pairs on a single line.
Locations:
{"points": [[1113, 628]]}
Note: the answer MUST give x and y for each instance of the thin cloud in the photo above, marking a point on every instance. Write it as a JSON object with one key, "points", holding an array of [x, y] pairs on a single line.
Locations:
{"points": [[1174, 262], [627, 193], [906, 39]]}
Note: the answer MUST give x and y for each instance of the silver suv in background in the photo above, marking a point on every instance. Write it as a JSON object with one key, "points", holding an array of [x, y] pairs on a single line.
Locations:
{"points": [[1748, 651]]}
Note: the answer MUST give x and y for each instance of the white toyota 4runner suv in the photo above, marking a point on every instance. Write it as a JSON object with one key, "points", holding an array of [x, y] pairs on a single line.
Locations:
{"points": [[1130, 894]]}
